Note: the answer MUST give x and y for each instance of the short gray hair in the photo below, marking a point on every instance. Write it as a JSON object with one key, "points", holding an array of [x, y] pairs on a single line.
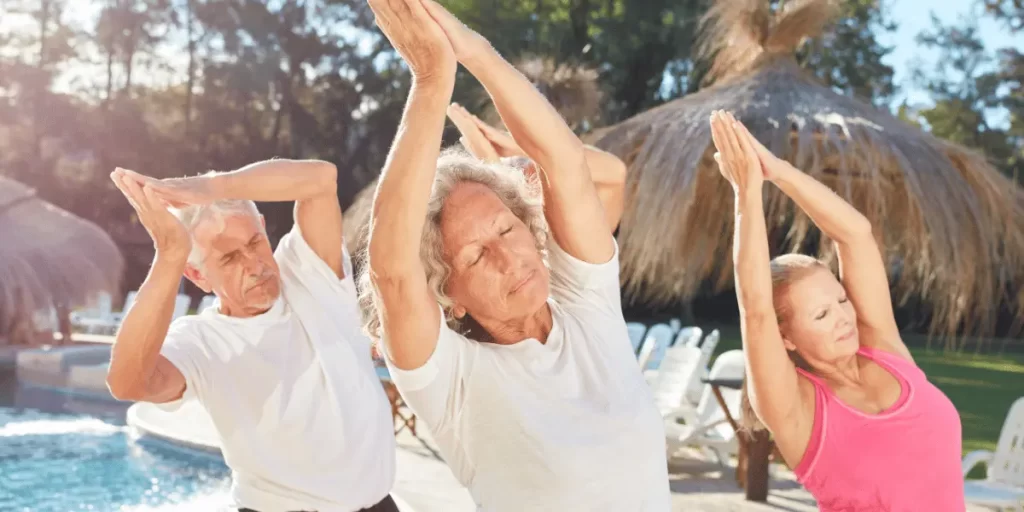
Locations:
{"points": [[521, 195], [194, 215]]}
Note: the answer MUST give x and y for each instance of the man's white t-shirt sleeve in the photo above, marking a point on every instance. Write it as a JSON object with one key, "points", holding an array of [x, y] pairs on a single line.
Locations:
{"points": [[183, 348], [294, 250], [436, 390], [574, 281]]}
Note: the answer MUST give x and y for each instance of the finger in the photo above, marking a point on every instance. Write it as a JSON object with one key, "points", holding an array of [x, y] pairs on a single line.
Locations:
{"points": [[137, 195], [744, 138], [438, 13], [731, 140], [415, 10], [153, 201], [716, 132], [122, 185]]}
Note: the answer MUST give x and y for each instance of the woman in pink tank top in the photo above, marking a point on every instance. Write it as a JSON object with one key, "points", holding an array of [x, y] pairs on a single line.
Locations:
{"points": [[829, 375]]}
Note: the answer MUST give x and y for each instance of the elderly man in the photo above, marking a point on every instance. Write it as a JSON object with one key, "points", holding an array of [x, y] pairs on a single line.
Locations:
{"points": [[279, 363]]}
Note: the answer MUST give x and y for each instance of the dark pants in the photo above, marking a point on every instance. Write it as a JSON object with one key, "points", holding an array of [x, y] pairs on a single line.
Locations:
{"points": [[386, 505]]}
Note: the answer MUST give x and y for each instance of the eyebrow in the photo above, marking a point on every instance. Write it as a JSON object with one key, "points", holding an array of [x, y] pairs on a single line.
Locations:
{"points": [[495, 221]]}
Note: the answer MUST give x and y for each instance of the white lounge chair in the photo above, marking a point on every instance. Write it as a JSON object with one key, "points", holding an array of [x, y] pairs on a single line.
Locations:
{"points": [[1003, 486], [97, 317], [636, 334], [661, 336], [707, 349], [181, 305], [689, 336], [646, 348], [706, 426], [208, 302], [669, 384]]}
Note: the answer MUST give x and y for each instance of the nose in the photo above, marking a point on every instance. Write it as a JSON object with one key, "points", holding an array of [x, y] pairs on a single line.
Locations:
{"points": [[252, 264], [504, 259]]}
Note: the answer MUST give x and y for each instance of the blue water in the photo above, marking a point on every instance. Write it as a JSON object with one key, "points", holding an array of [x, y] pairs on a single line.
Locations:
{"points": [[53, 460]]}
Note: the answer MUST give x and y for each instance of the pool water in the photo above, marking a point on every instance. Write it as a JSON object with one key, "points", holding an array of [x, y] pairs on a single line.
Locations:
{"points": [[62, 462]]}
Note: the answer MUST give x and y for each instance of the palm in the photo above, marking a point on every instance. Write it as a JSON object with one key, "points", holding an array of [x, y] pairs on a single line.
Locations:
{"points": [[167, 232], [737, 158]]}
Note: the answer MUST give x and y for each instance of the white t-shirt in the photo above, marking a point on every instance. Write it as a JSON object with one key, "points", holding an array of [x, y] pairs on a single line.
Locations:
{"points": [[303, 419], [566, 425]]}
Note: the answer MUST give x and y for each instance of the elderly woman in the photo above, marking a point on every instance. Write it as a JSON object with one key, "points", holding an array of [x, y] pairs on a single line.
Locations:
{"points": [[829, 375], [497, 298]]}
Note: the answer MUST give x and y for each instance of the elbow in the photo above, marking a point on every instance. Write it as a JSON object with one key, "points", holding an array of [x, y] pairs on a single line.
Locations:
{"points": [[327, 174], [861, 227], [124, 389]]}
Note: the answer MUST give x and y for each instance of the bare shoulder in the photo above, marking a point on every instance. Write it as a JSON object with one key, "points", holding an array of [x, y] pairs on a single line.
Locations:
{"points": [[887, 341]]}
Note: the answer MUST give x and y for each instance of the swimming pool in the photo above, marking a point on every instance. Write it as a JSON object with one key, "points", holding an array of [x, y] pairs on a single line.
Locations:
{"points": [[69, 461]]}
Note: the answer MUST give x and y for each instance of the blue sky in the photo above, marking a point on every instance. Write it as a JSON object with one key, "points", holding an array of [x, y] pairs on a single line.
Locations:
{"points": [[912, 16]]}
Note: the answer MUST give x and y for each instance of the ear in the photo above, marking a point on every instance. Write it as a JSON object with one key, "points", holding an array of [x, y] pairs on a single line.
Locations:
{"points": [[193, 274], [263, 222], [788, 344], [459, 311]]}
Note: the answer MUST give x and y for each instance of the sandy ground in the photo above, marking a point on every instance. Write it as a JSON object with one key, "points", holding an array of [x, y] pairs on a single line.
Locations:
{"points": [[425, 484]]}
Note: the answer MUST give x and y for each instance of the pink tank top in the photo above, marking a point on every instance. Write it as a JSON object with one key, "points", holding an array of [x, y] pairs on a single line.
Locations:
{"points": [[904, 459]]}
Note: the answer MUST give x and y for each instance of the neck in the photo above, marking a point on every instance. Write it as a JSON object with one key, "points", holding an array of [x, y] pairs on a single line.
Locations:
{"points": [[240, 311], [842, 373], [509, 332]]}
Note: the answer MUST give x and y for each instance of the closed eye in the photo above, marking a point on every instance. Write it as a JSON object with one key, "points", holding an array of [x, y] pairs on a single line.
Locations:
{"points": [[506, 231], [821, 315]]}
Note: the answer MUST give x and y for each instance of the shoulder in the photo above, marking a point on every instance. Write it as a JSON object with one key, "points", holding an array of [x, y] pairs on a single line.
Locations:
{"points": [[294, 254]]}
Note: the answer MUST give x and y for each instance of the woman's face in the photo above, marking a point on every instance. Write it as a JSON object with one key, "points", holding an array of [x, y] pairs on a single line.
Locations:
{"points": [[820, 322], [497, 272]]}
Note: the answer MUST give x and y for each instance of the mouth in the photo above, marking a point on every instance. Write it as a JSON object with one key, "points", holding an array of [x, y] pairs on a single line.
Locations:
{"points": [[848, 336], [260, 283], [522, 282]]}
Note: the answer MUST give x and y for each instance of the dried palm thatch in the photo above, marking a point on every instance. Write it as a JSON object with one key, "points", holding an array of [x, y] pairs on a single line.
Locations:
{"points": [[573, 90], [950, 225], [48, 256]]}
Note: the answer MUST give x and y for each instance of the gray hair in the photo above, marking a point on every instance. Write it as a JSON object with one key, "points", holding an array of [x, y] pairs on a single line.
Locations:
{"points": [[216, 212], [521, 195]]}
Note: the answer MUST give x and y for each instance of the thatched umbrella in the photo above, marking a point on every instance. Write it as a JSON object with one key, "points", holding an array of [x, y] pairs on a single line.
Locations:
{"points": [[950, 224], [49, 257]]}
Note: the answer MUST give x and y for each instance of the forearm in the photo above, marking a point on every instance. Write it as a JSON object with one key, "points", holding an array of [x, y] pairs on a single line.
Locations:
{"points": [[142, 332], [277, 180], [839, 220], [531, 120], [751, 257], [400, 204]]}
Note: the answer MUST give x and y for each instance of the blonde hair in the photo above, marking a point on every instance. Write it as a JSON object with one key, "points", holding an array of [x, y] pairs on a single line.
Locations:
{"points": [[522, 196], [785, 270]]}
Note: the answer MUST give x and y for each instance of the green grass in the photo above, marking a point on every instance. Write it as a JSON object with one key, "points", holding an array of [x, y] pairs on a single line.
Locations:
{"points": [[981, 387]]}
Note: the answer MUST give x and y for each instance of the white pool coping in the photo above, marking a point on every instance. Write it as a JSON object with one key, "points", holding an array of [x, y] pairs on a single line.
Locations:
{"points": [[422, 482]]}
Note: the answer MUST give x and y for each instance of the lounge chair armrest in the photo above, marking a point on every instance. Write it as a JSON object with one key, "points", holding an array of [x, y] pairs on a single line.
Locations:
{"points": [[686, 412], [974, 458]]}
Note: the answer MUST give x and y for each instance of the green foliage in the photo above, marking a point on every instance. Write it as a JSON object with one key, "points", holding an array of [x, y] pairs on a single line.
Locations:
{"points": [[969, 87]]}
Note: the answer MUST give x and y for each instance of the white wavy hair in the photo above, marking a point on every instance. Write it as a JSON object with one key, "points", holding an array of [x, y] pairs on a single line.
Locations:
{"points": [[521, 195], [216, 212]]}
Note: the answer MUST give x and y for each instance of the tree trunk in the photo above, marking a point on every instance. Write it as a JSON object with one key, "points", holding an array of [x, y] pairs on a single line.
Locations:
{"points": [[191, 66]]}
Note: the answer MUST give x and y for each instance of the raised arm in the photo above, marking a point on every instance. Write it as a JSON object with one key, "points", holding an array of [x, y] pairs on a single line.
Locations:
{"points": [[487, 143], [861, 268], [409, 313], [312, 184], [571, 205], [772, 383], [137, 370]]}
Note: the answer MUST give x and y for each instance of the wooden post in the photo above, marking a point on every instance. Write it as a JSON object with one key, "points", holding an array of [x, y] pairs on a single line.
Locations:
{"points": [[759, 448]]}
